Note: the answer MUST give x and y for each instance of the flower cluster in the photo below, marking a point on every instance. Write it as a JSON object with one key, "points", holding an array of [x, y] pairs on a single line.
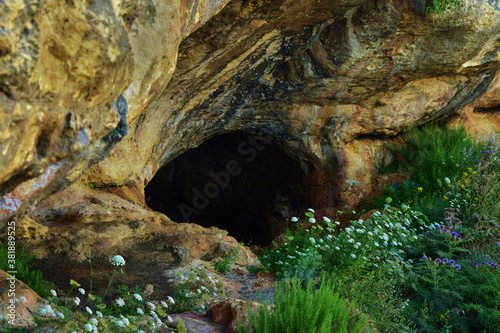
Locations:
{"points": [[444, 261]]}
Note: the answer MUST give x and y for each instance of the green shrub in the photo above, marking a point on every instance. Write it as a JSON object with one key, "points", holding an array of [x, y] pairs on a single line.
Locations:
{"points": [[460, 295], [24, 267], [441, 6], [296, 309]]}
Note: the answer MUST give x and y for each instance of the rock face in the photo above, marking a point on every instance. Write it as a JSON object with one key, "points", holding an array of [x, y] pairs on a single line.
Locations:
{"points": [[291, 99], [63, 68]]}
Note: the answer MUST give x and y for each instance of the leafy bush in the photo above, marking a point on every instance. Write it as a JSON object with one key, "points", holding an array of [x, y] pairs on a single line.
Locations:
{"points": [[195, 291], [24, 267], [296, 309], [441, 6]]}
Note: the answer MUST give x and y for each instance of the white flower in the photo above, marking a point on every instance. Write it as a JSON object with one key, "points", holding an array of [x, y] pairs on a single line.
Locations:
{"points": [[369, 233], [294, 219], [126, 321], [82, 291], [153, 314], [88, 327], [171, 300], [311, 210], [337, 248], [169, 319], [98, 313], [353, 255], [23, 299], [376, 244], [360, 231], [77, 301], [140, 331], [312, 240], [151, 305], [42, 311], [165, 305], [350, 240], [312, 220], [139, 311], [94, 321], [356, 246], [60, 315], [337, 222], [447, 180], [138, 297], [120, 302], [88, 310], [326, 219], [48, 308], [117, 261], [53, 292], [119, 323]]}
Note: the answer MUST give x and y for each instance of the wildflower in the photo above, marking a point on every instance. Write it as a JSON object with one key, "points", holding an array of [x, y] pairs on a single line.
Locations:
{"points": [[42, 311], [353, 255], [53, 292], [88, 327], [126, 321], [311, 210], [120, 302], [424, 258], [420, 189], [326, 219], [117, 261], [447, 180], [23, 299], [337, 248], [138, 297], [312, 220], [94, 321], [445, 197], [139, 311], [337, 222], [376, 244], [437, 226], [350, 240], [438, 260], [151, 305], [483, 262], [494, 265], [475, 263], [294, 219], [120, 323], [82, 291], [169, 319], [452, 262], [445, 260], [88, 310], [99, 314], [457, 266]]}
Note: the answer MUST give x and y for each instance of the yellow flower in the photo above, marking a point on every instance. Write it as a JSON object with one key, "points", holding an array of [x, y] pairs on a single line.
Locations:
{"points": [[473, 172], [470, 169], [462, 185], [445, 197], [420, 189], [465, 174]]}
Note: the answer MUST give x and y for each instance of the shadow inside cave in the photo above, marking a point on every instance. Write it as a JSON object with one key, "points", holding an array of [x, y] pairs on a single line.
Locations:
{"points": [[236, 182]]}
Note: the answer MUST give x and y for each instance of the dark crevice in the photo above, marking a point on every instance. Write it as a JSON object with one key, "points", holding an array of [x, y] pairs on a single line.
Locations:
{"points": [[235, 182]]}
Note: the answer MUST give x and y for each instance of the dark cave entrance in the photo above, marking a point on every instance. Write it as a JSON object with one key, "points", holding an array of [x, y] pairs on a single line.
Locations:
{"points": [[236, 182]]}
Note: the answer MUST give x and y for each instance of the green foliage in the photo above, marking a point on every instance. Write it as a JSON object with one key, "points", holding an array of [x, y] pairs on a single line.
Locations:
{"points": [[131, 300], [296, 309], [441, 6], [465, 298], [195, 291], [434, 153], [222, 264], [24, 267]]}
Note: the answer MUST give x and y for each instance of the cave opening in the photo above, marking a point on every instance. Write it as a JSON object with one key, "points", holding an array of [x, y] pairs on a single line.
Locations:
{"points": [[238, 182]]}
